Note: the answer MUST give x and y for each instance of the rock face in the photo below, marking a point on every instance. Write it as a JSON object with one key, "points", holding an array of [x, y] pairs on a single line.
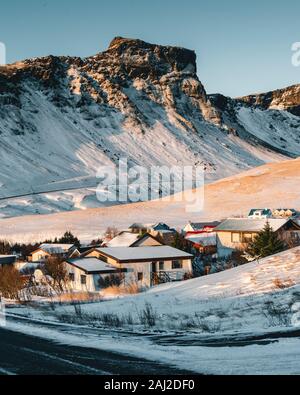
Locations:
{"points": [[282, 99], [63, 117]]}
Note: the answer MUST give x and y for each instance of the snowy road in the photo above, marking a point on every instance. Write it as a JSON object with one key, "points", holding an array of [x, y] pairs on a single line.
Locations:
{"points": [[22, 354]]}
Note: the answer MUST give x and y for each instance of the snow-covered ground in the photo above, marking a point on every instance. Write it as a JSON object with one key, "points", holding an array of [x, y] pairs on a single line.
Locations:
{"points": [[273, 185], [198, 323]]}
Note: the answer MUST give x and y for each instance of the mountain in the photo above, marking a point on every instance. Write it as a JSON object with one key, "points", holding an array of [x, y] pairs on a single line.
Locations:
{"points": [[272, 185], [63, 117]]}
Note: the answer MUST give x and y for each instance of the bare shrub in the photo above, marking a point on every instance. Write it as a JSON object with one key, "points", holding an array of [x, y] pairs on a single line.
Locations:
{"points": [[131, 288], [188, 276], [111, 320], [11, 282], [113, 280], [148, 316], [79, 297], [56, 269], [277, 315], [283, 284]]}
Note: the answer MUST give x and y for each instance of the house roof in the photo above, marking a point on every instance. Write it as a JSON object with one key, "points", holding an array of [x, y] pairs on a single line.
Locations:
{"points": [[143, 254], [264, 211], [7, 259], [55, 248], [92, 265], [250, 225], [124, 239], [201, 225], [145, 237], [161, 227], [205, 239]]}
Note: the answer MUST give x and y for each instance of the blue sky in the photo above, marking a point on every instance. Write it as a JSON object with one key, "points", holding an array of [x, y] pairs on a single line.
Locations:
{"points": [[242, 47]]}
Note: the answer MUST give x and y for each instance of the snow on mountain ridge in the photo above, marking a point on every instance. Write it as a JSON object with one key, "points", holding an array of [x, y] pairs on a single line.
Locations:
{"points": [[63, 117]]}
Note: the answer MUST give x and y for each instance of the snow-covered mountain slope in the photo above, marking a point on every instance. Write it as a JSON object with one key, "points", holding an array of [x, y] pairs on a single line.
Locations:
{"points": [[273, 185], [63, 117]]}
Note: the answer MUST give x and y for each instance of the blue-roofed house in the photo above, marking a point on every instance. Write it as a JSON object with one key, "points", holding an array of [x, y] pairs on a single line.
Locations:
{"points": [[260, 213]]}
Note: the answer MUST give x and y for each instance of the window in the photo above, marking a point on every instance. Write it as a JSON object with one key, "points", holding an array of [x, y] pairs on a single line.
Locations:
{"points": [[161, 266], [176, 264], [235, 237], [140, 276], [83, 280], [72, 277], [247, 237]]}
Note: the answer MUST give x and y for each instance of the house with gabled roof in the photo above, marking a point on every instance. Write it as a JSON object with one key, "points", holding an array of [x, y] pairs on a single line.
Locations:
{"points": [[129, 239], [195, 227], [236, 233], [146, 265], [46, 250], [259, 213], [89, 273]]}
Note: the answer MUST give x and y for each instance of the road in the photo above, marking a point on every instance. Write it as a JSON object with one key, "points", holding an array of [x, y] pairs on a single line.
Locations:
{"points": [[27, 355]]}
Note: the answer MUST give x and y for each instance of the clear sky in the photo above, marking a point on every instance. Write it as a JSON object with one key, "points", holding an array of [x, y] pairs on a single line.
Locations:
{"points": [[242, 46]]}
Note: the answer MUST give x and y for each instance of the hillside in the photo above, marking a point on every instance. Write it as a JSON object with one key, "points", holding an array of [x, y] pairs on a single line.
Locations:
{"points": [[272, 185], [63, 117], [242, 321]]}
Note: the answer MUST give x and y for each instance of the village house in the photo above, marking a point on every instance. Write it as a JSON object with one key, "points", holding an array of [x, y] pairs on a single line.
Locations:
{"points": [[236, 233], [260, 213], [148, 265], [284, 213], [276, 213], [196, 227], [128, 239], [203, 243], [89, 273], [46, 250]]}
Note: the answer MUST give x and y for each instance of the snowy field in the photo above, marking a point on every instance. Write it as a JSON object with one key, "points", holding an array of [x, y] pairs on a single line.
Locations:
{"points": [[272, 185], [197, 324]]}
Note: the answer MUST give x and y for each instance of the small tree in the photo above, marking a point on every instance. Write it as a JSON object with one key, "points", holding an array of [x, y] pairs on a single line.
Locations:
{"points": [[11, 282], [57, 270], [181, 243], [5, 247], [69, 238], [266, 243], [111, 233]]}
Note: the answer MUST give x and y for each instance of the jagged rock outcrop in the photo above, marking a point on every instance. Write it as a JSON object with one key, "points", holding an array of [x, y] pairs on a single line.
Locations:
{"points": [[63, 117], [282, 99]]}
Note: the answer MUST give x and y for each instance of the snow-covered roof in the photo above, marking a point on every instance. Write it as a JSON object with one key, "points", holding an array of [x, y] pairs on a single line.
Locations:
{"points": [[124, 239], [207, 239], [92, 265], [250, 225], [56, 248], [262, 211], [7, 259], [129, 254], [202, 225]]}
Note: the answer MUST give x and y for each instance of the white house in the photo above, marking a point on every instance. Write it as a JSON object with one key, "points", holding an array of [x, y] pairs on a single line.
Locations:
{"points": [[147, 266], [46, 250], [261, 213], [86, 274]]}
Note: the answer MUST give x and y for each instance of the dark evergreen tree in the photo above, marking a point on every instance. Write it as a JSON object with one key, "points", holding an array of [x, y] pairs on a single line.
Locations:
{"points": [[266, 243], [69, 238]]}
